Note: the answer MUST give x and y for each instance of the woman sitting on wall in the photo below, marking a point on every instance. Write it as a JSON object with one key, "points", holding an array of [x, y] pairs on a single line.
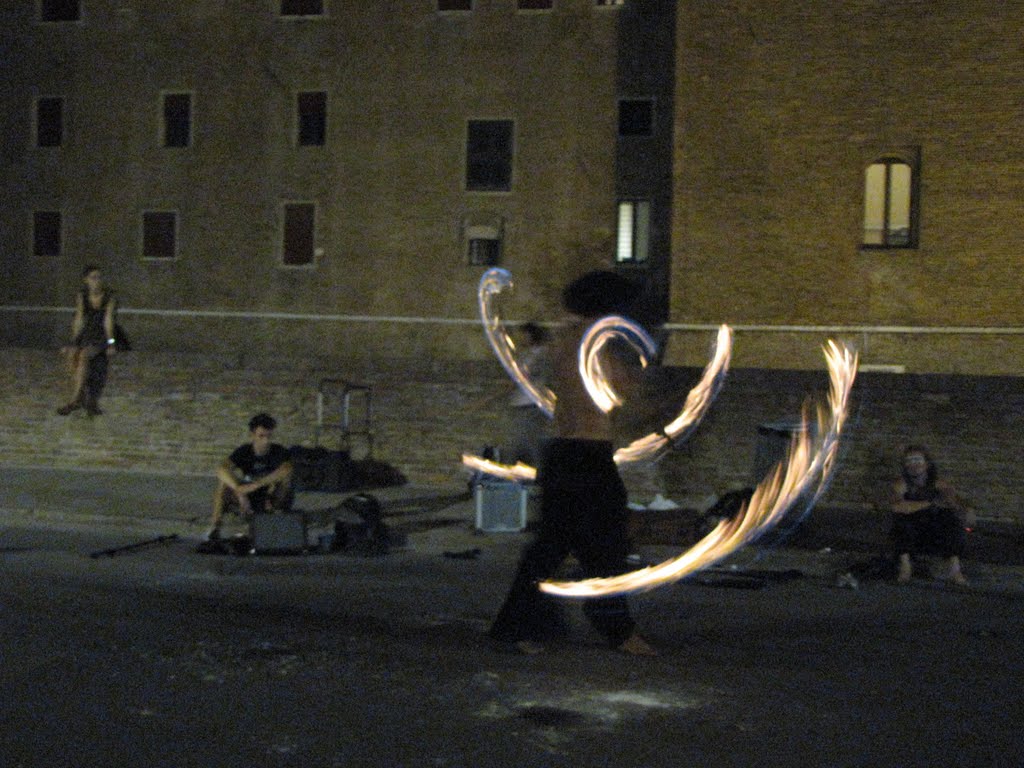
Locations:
{"points": [[928, 516], [93, 341]]}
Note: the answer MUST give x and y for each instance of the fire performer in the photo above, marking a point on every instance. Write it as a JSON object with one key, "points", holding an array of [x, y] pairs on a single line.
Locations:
{"points": [[583, 499]]}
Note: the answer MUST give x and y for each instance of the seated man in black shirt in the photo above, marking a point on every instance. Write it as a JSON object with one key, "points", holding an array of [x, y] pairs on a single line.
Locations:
{"points": [[256, 477]]}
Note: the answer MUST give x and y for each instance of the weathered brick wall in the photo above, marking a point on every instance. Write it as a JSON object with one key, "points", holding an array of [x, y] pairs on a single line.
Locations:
{"points": [[781, 106], [389, 184], [182, 414]]}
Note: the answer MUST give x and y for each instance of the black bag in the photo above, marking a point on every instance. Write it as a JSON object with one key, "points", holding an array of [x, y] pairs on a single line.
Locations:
{"points": [[321, 469], [121, 341]]}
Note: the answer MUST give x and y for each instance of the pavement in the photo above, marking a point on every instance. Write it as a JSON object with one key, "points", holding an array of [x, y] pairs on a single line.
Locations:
{"points": [[831, 543]]}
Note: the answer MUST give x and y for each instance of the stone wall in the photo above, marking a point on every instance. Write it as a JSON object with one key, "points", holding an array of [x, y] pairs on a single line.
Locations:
{"points": [[182, 413]]}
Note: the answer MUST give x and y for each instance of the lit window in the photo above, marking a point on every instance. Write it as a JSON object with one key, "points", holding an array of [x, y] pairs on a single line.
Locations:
{"points": [[889, 205], [312, 115], [49, 121], [489, 156], [299, 234], [455, 5], [60, 10], [177, 120], [609, 3], [535, 5], [46, 233], [636, 117], [302, 7], [159, 235], [634, 231]]}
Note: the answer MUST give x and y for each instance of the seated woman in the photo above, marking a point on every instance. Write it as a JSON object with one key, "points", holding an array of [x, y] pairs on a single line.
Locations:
{"points": [[928, 516]]}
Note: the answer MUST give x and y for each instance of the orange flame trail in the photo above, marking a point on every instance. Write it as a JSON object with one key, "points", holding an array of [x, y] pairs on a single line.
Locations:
{"points": [[808, 465], [495, 281]]}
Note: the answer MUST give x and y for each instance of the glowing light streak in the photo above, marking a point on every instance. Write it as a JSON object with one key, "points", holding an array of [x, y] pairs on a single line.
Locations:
{"points": [[806, 470], [593, 342], [493, 282], [520, 472], [696, 406], [698, 401]]}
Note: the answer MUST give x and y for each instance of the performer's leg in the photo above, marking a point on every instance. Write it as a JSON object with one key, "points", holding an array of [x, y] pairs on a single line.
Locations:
{"points": [[527, 614]]}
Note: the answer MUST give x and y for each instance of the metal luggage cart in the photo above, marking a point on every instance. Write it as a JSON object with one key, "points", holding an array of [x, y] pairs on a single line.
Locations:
{"points": [[351, 406]]}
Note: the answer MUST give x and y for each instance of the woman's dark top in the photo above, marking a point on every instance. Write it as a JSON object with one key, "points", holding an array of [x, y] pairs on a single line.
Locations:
{"points": [[93, 333]]}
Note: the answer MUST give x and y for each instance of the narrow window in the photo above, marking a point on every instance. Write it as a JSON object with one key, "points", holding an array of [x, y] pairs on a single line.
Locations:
{"points": [[483, 242], [49, 121], [489, 156], [299, 234], [46, 233], [302, 7], [177, 119], [60, 10], [609, 3], [159, 235], [889, 205], [634, 231], [535, 5], [455, 5], [312, 115], [636, 117]]}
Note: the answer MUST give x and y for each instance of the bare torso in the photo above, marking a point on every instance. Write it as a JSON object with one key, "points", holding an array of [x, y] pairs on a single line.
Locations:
{"points": [[576, 416]]}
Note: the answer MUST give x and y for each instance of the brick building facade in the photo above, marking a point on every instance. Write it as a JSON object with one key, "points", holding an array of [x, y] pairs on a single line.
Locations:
{"points": [[781, 110], [287, 189]]}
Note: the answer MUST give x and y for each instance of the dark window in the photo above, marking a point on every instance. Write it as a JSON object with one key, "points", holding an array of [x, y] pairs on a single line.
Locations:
{"points": [[890, 204], [455, 5], [312, 107], [489, 156], [299, 221], [49, 121], [302, 7], [177, 119], [159, 234], [46, 236], [484, 252], [483, 240], [636, 117], [535, 5], [60, 10]]}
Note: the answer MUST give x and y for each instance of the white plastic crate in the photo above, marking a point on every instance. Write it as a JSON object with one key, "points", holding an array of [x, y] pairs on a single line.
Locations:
{"points": [[500, 506]]}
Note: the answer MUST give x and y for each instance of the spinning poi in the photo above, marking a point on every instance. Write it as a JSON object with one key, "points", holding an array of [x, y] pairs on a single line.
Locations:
{"points": [[807, 468]]}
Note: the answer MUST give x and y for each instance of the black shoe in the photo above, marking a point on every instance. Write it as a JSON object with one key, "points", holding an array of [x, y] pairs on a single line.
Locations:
{"points": [[64, 410]]}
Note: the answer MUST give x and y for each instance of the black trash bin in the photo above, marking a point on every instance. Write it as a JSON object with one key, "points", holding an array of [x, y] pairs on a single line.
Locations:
{"points": [[773, 441]]}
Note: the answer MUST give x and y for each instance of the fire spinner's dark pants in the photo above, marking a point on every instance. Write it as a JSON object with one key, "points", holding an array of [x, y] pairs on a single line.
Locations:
{"points": [[583, 513]]}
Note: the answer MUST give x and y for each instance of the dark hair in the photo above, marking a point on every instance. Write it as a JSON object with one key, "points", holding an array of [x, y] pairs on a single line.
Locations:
{"points": [[599, 293], [537, 334], [89, 268], [262, 420], [933, 471]]}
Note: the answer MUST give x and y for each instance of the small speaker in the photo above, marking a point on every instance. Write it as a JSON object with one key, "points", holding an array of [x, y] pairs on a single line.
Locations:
{"points": [[500, 506]]}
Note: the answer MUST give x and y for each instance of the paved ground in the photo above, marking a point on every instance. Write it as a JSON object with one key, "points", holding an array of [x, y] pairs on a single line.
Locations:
{"points": [[159, 656]]}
